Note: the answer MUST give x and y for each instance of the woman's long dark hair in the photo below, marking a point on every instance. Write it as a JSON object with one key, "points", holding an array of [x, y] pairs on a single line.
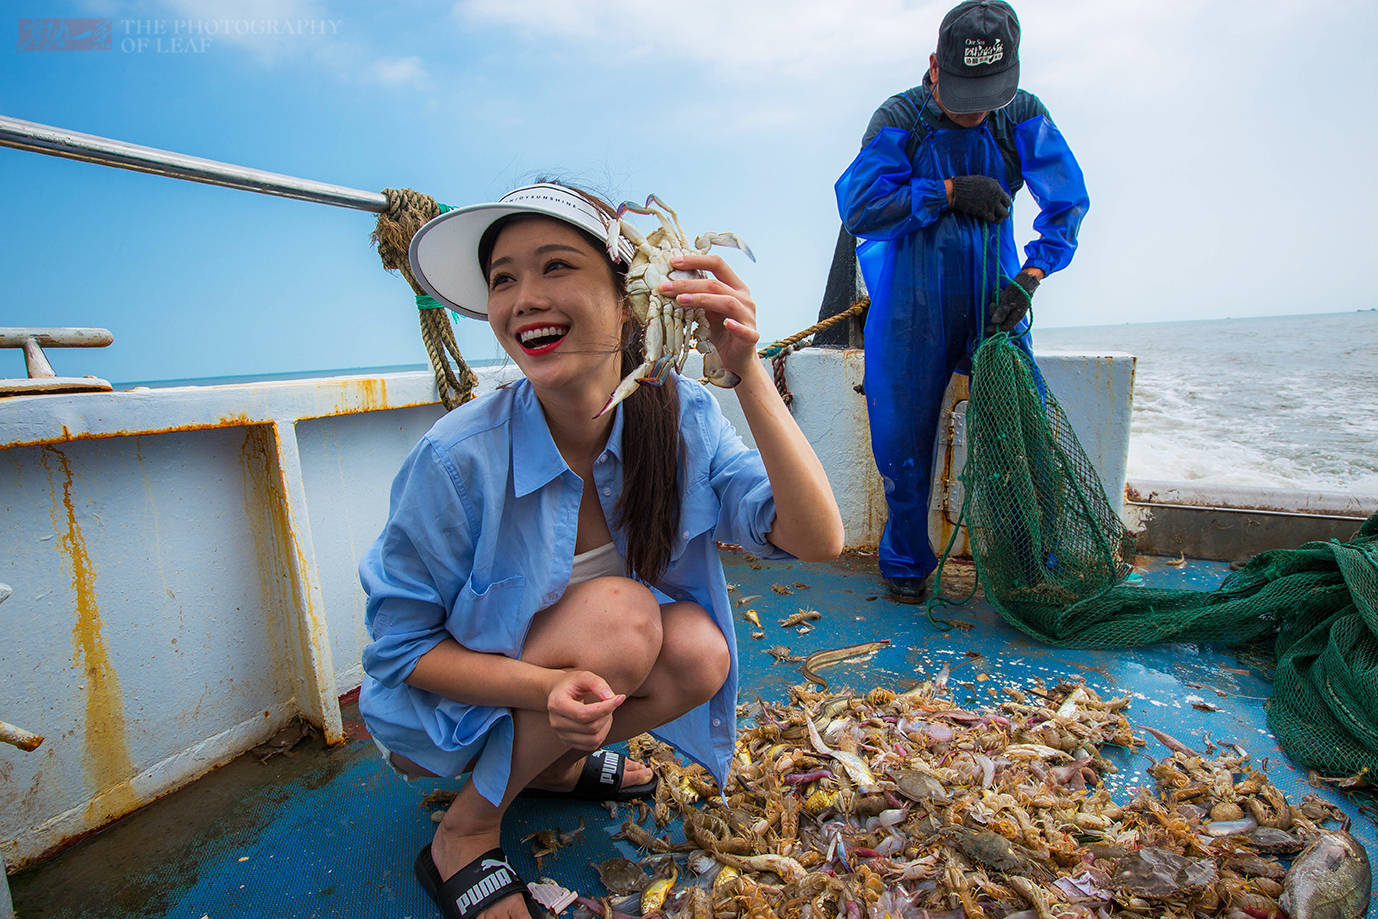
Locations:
{"points": [[648, 508]]}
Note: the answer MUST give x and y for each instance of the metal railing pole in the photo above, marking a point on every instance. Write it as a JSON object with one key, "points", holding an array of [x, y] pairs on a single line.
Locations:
{"points": [[41, 138]]}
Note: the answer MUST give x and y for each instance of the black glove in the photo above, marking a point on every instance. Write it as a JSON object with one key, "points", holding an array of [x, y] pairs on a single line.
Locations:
{"points": [[1013, 302], [980, 196]]}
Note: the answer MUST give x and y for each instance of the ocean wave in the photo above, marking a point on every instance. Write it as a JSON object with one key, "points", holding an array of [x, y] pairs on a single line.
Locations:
{"points": [[1281, 402]]}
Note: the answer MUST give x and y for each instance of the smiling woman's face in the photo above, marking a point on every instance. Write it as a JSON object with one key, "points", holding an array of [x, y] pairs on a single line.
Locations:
{"points": [[553, 304]]}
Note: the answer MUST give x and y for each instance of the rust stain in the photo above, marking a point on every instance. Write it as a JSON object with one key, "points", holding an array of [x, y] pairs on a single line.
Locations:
{"points": [[370, 394], [283, 562], [107, 762], [364, 395]]}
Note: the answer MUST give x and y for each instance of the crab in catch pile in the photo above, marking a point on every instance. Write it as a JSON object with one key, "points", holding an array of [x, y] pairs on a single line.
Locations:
{"points": [[671, 330], [908, 805]]}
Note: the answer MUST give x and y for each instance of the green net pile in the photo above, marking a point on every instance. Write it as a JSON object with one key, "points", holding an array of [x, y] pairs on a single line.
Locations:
{"points": [[1052, 556]]}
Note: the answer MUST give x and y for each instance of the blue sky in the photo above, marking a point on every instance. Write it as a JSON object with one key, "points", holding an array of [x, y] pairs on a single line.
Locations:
{"points": [[1226, 148]]}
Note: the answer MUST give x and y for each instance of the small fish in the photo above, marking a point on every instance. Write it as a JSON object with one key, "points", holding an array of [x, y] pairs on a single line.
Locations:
{"points": [[743, 601], [751, 617], [855, 766], [654, 895], [723, 877], [1231, 827], [1329, 880], [820, 659]]}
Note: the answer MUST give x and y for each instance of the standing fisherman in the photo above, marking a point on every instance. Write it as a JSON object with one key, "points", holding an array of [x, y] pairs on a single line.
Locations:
{"points": [[930, 195]]}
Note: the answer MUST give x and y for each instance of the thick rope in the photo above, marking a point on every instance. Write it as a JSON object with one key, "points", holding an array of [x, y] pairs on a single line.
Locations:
{"points": [[778, 351], [788, 343], [407, 211]]}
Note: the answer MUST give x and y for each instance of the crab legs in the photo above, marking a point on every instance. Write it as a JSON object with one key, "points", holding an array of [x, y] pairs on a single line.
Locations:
{"points": [[671, 330]]}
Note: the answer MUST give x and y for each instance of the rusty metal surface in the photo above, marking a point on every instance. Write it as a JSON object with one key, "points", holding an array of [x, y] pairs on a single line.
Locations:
{"points": [[50, 419]]}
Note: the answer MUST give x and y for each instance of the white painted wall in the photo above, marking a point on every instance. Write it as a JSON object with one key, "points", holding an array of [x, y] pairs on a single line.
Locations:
{"points": [[1095, 391]]}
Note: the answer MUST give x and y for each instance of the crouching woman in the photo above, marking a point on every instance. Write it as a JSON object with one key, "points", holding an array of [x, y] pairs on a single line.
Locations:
{"points": [[548, 581]]}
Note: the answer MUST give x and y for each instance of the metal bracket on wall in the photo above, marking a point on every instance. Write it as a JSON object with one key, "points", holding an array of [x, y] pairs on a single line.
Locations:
{"points": [[41, 377]]}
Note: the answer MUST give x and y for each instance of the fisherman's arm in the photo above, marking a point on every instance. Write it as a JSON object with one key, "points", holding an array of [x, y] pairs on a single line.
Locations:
{"points": [[1055, 180], [879, 196]]}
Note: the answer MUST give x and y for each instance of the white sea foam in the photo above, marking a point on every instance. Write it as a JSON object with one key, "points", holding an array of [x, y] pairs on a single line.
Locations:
{"points": [[1285, 402]]}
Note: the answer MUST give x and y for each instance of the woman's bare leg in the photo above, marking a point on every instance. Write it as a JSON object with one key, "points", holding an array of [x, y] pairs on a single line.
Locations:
{"points": [[609, 626], [692, 665]]}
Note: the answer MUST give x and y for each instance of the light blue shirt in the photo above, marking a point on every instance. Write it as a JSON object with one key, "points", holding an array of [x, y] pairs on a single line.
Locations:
{"points": [[480, 537]]}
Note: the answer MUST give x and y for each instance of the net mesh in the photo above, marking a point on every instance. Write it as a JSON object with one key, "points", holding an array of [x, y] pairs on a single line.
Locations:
{"points": [[1052, 556]]}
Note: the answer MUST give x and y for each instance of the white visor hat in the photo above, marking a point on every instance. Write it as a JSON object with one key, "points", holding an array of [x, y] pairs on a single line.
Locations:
{"points": [[444, 253]]}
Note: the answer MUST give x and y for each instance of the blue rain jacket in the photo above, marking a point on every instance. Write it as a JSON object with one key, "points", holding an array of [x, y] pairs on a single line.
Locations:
{"points": [[933, 272]]}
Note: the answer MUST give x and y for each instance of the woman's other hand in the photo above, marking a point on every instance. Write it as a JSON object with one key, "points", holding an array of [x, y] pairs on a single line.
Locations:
{"points": [[581, 706]]}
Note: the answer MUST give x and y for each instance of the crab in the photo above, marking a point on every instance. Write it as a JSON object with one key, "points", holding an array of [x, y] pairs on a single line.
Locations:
{"points": [[671, 330]]}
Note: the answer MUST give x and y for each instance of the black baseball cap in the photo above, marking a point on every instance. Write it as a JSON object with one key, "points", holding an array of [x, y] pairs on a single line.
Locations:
{"points": [[978, 56]]}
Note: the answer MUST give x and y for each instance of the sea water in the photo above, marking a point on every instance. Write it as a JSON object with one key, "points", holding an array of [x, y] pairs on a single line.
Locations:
{"points": [[1285, 402]]}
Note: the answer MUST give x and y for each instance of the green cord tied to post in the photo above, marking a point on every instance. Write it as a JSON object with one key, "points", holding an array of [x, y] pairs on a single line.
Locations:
{"points": [[406, 213]]}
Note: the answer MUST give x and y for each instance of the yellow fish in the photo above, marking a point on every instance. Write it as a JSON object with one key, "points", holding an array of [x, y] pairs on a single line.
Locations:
{"points": [[654, 895], [725, 874], [751, 617]]}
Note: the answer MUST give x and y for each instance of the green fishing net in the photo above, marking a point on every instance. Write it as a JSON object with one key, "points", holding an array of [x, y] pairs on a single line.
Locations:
{"points": [[1052, 556]]}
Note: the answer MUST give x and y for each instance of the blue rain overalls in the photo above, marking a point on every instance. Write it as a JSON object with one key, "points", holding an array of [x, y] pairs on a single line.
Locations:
{"points": [[932, 273]]}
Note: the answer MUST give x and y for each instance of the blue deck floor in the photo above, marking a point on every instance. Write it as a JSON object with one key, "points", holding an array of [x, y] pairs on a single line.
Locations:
{"points": [[332, 833]]}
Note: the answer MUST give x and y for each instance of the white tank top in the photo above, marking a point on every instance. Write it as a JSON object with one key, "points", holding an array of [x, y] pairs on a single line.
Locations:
{"points": [[598, 563]]}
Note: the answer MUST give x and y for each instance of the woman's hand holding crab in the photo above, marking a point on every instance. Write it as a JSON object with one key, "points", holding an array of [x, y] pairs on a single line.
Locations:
{"points": [[726, 300]]}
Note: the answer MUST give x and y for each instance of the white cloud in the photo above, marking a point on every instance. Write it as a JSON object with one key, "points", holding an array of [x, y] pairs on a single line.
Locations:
{"points": [[785, 40], [401, 71]]}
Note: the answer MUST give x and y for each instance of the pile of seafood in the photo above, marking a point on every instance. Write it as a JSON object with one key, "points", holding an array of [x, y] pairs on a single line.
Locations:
{"points": [[905, 805]]}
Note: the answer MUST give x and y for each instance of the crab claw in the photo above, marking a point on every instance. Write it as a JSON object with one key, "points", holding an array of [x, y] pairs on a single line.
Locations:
{"points": [[713, 369], [614, 239], [706, 240], [624, 389]]}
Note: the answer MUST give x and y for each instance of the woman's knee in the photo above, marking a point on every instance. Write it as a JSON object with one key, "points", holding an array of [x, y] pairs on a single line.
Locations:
{"points": [[624, 615], [600, 623], [694, 651]]}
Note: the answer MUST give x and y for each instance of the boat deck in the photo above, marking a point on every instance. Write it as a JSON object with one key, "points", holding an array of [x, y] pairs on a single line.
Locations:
{"points": [[331, 833]]}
